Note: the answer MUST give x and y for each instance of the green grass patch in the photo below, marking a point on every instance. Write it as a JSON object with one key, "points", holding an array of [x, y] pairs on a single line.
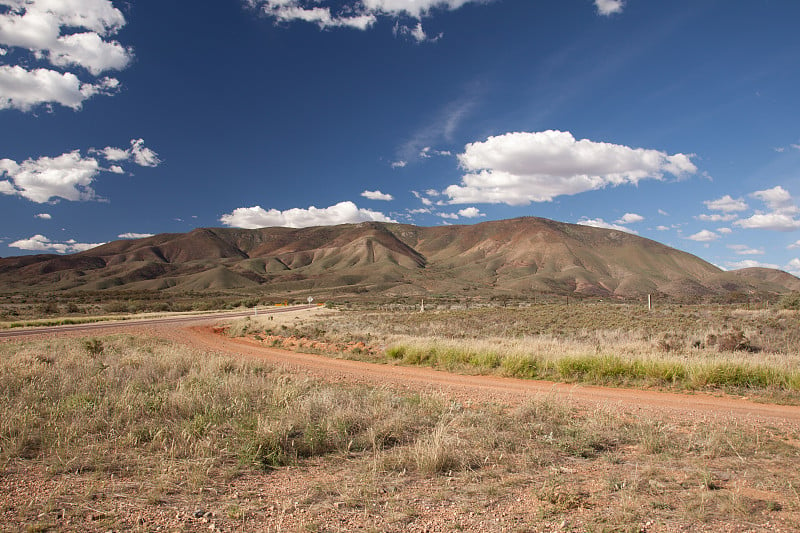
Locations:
{"points": [[600, 369]]}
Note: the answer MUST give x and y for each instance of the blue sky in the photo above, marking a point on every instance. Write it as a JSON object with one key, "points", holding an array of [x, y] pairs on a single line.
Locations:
{"points": [[677, 121]]}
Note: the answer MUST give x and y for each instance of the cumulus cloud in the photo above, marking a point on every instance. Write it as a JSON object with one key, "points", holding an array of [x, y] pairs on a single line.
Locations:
{"points": [[66, 34], [630, 218], [449, 216], [68, 176], [726, 204], [341, 213], [471, 212], [724, 231], [40, 243], [25, 89], [743, 249], [377, 195], [770, 221], [399, 164], [522, 167], [609, 7], [600, 223], [782, 211], [134, 235], [777, 199], [793, 266], [43, 216], [750, 263], [704, 236]]}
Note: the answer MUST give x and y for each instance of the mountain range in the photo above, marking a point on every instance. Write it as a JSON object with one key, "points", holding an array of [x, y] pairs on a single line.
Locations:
{"points": [[514, 257]]}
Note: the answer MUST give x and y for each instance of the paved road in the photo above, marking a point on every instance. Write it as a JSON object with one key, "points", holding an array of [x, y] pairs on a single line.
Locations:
{"points": [[116, 324]]}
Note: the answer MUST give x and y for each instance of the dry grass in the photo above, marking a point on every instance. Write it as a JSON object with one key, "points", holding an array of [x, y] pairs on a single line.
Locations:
{"points": [[127, 433]]}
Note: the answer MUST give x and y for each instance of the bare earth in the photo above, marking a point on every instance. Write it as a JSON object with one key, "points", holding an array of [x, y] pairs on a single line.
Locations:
{"points": [[314, 496]]}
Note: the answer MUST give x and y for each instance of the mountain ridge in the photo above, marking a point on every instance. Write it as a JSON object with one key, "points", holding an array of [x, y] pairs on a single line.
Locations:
{"points": [[515, 256]]}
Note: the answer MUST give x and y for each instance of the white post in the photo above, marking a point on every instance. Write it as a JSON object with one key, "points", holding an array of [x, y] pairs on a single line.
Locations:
{"points": [[422, 306], [255, 310], [649, 303]]}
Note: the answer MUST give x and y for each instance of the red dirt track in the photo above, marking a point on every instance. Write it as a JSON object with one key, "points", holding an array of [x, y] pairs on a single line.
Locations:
{"points": [[199, 332]]}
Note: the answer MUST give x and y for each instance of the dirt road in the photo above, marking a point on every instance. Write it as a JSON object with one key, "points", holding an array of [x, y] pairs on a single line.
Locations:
{"points": [[479, 388], [199, 332]]}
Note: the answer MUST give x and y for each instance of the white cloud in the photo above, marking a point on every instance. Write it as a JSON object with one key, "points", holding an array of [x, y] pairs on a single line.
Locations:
{"points": [[716, 217], [795, 146], [425, 201], [142, 155], [65, 34], [115, 154], [704, 236], [399, 164], [471, 212], [134, 235], [519, 168], [377, 195], [750, 263], [450, 216], [777, 199], [770, 221], [25, 89], [416, 32], [630, 218], [782, 216], [794, 245], [341, 213], [743, 249], [419, 211], [68, 176], [726, 204], [793, 266], [600, 223], [609, 7], [662, 228], [428, 152], [663, 213], [43, 216], [40, 243], [357, 14], [724, 231], [138, 152]]}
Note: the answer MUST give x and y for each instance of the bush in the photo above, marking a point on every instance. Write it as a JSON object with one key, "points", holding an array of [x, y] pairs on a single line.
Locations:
{"points": [[790, 301]]}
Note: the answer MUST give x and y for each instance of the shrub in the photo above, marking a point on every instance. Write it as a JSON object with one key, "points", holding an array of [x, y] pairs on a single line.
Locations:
{"points": [[790, 301]]}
